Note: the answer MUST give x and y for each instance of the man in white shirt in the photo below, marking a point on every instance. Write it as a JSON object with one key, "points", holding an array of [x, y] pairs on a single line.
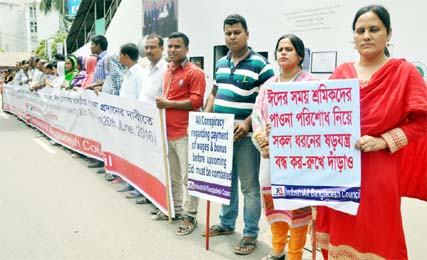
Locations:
{"points": [[131, 89], [132, 82], [20, 77], [153, 85], [154, 72], [38, 78], [53, 79], [34, 73]]}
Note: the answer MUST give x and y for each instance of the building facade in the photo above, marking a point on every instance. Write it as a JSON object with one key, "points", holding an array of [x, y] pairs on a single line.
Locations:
{"points": [[25, 25]]}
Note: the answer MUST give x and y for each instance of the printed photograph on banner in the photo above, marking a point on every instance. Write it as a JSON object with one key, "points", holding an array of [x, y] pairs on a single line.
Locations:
{"points": [[313, 161], [210, 156], [160, 17]]}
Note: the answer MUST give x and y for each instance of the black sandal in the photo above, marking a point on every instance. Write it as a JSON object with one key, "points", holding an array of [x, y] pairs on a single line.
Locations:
{"points": [[245, 247], [143, 200], [217, 230], [270, 257]]}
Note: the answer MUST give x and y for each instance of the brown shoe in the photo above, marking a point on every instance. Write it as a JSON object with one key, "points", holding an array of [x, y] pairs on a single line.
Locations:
{"points": [[217, 230]]}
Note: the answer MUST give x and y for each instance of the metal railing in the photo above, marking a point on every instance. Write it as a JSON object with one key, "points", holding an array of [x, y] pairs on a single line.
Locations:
{"points": [[107, 14]]}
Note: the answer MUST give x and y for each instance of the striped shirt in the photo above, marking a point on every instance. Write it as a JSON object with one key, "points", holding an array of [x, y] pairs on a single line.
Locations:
{"points": [[101, 70], [238, 86]]}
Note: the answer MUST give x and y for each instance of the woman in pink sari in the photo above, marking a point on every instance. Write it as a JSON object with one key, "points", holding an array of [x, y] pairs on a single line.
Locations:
{"points": [[90, 70], [393, 104], [289, 55]]}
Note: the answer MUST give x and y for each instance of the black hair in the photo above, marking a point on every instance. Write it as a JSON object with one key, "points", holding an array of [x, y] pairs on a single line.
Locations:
{"points": [[236, 18], [35, 59], [382, 14], [155, 36], [59, 57], [101, 41], [50, 66], [81, 62], [72, 59], [182, 36], [131, 50], [296, 42]]}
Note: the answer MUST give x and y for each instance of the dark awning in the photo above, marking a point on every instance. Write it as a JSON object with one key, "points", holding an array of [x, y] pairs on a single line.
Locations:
{"points": [[85, 18]]}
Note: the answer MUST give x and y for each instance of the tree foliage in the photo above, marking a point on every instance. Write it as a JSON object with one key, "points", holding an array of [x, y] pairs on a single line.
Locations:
{"points": [[41, 50], [47, 6]]}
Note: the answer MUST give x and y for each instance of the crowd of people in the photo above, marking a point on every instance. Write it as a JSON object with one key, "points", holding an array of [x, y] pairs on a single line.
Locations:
{"points": [[393, 113], [69, 73]]}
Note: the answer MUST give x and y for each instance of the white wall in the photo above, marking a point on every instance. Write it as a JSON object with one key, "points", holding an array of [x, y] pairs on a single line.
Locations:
{"points": [[406, 18], [126, 25], [83, 51], [324, 25], [15, 26], [47, 25], [13, 32]]}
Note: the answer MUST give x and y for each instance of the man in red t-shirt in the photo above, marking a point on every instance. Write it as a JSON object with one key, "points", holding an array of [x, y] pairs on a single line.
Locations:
{"points": [[183, 91]]}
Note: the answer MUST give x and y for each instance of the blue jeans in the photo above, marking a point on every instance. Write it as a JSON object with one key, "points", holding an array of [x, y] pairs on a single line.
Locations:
{"points": [[246, 160]]}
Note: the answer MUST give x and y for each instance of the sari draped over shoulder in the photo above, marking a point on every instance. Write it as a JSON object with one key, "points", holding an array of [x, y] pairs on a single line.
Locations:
{"points": [[295, 218], [79, 79], [395, 97], [414, 174], [69, 75], [90, 71]]}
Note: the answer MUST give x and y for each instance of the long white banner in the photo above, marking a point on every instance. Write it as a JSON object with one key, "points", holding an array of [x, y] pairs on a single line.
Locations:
{"points": [[125, 134], [67, 117]]}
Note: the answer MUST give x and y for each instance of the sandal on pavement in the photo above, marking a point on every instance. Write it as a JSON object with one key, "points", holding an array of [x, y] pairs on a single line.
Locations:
{"points": [[154, 211], [185, 229], [270, 257], [133, 195], [245, 247], [109, 177], [217, 230], [162, 217], [143, 200]]}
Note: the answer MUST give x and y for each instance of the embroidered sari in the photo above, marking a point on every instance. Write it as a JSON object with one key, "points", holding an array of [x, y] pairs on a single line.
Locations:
{"points": [[295, 218], [395, 97]]}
